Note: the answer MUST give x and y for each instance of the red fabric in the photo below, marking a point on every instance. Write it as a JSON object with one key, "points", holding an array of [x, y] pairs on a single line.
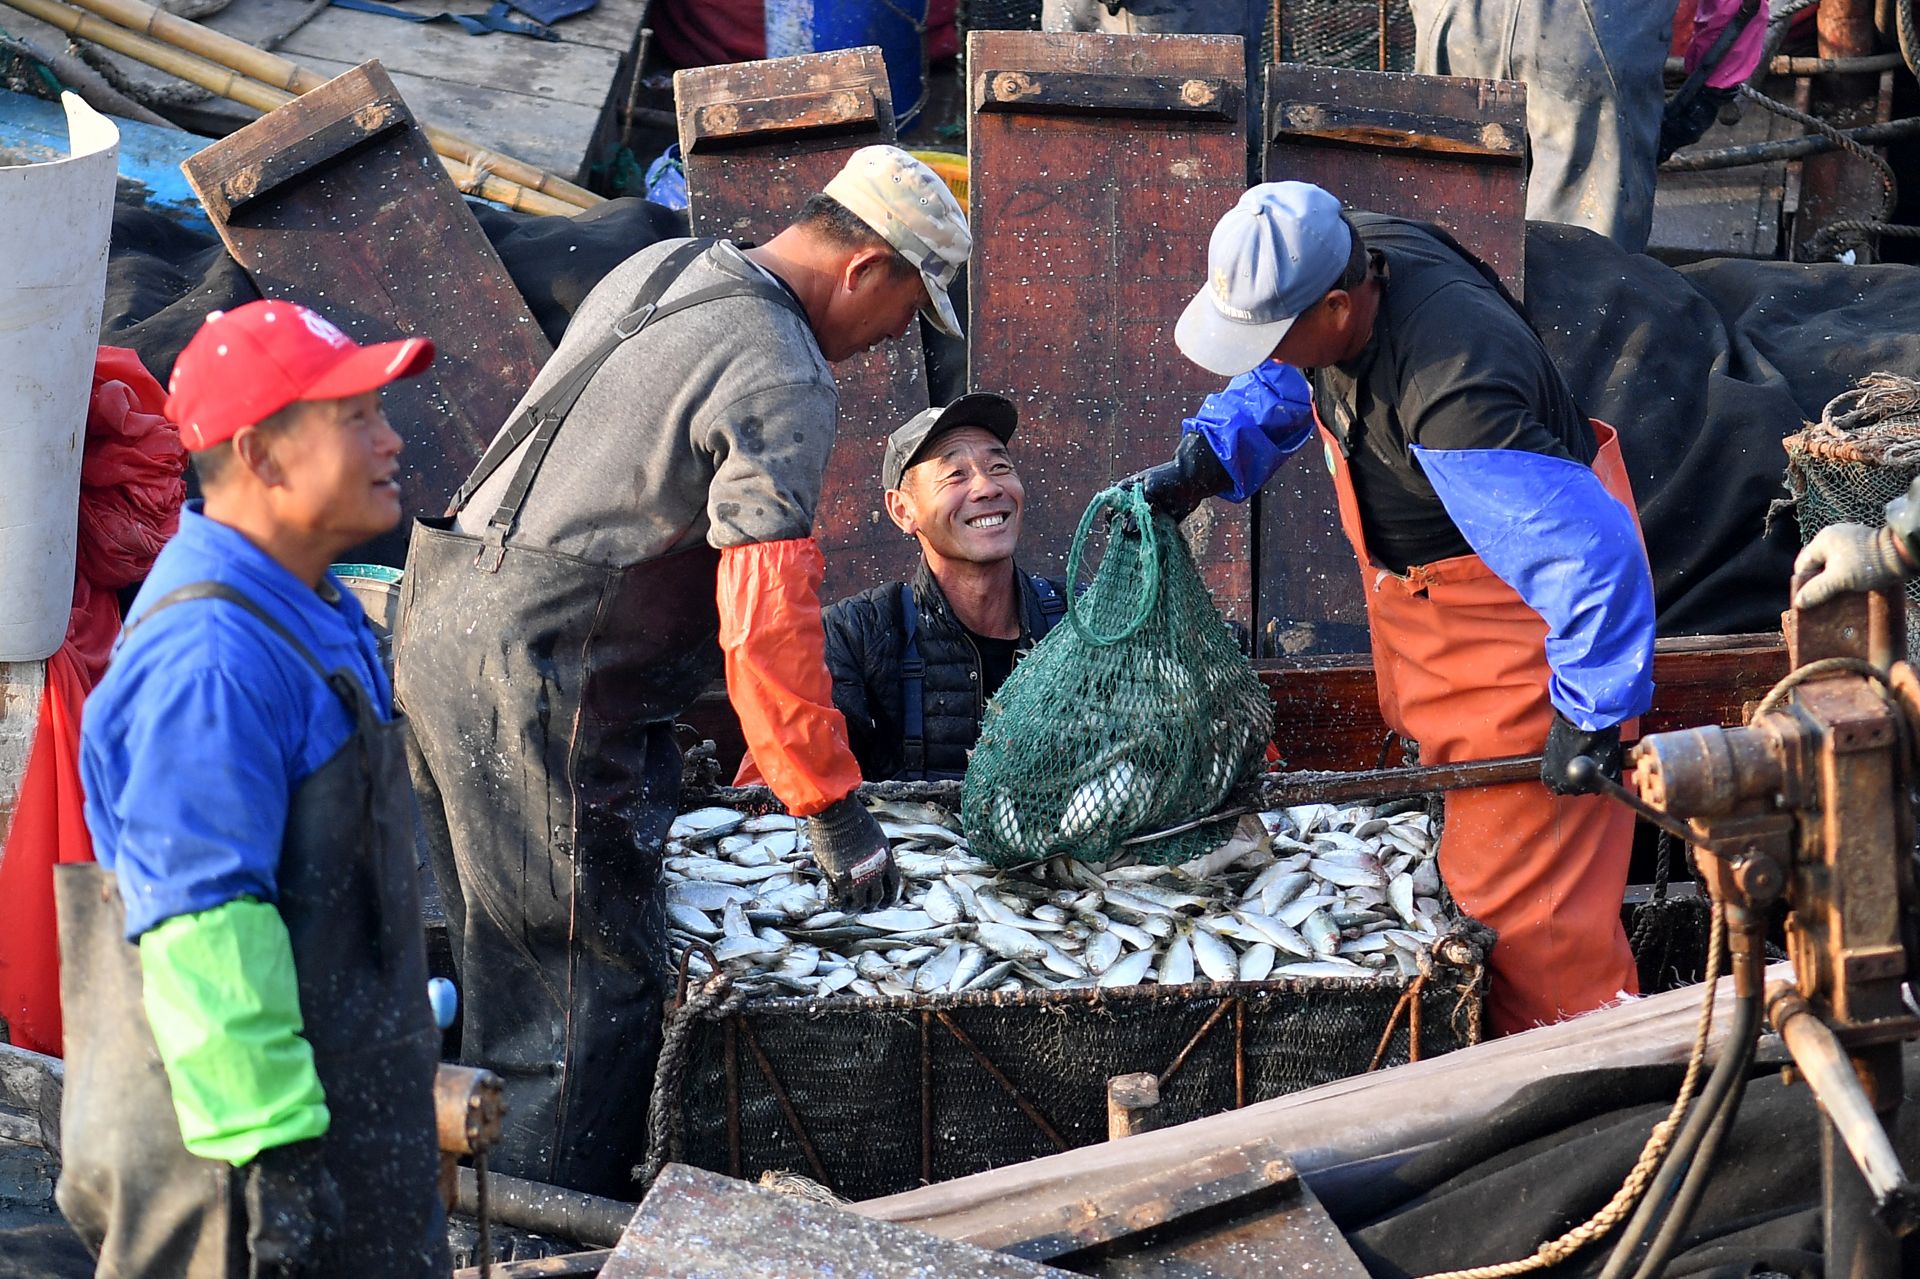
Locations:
{"points": [[698, 33], [131, 487], [1461, 667], [776, 653]]}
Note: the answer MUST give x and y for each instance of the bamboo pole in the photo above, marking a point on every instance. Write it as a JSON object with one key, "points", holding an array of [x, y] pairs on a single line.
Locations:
{"points": [[283, 73], [474, 179]]}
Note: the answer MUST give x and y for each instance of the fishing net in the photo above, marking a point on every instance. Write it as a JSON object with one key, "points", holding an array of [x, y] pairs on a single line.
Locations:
{"points": [[1862, 453], [1139, 716]]}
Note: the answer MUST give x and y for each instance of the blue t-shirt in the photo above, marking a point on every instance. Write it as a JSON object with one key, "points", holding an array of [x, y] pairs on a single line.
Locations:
{"points": [[207, 722]]}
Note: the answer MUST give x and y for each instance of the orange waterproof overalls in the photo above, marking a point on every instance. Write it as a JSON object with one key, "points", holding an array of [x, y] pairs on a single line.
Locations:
{"points": [[1460, 661]]}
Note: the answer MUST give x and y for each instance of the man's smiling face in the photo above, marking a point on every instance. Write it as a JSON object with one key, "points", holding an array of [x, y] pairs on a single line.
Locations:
{"points": [[962, 499]]}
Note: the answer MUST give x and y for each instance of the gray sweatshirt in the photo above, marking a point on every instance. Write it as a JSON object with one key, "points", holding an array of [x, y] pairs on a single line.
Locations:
{"points": [[713, 425]]}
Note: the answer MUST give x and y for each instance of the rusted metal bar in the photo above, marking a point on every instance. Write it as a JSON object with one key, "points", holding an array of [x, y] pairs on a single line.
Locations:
{"points": [[1413, 1019], [1277, 790], [814, 1163], [1409, 1000], [1130, 1103], [553, 1211], [1027, 1108], [1180, 1059], [730, 1046], [926, 1097], [1239, 1054], [1383, 34]]}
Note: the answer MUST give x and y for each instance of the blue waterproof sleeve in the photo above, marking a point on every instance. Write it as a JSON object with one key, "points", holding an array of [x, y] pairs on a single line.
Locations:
{"points": [[1256, 423], [1549, 528]]}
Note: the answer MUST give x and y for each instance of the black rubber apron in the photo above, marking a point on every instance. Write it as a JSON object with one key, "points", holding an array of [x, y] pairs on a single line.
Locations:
{"points": [[541, 690], [351, 902]]}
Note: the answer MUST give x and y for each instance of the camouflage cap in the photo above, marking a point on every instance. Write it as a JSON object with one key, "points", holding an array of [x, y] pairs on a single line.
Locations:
{"points": [[909, 207]]}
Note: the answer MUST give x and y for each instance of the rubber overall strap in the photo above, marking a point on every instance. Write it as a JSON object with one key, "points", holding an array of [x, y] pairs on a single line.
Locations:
{"points": [[221, 591], [1052, 607], [569, 388], [913, 690]]}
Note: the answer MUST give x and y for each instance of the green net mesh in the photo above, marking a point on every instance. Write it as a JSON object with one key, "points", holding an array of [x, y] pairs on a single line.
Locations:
{"points": [[1862, 453], [1138, 716]]}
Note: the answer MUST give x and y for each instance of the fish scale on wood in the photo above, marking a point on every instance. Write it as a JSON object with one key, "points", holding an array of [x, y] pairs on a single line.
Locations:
{"points": [[1296, 892]]}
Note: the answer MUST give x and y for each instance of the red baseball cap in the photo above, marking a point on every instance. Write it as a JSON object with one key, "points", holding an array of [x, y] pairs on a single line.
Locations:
{"points": [[247, 364]]}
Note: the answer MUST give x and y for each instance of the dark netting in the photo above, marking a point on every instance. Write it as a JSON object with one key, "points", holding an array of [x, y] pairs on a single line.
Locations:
{"points": [[1140, 715], [890, 1097], [999, 15], [1862, 453], [1341, 33]]}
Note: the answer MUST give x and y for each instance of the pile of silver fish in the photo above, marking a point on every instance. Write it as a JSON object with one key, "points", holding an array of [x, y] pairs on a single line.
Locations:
{"points": [[1309, 891]]}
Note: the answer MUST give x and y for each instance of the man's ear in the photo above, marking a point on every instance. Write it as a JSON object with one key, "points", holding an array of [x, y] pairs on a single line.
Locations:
{"points": [[1339, 305], [900, 511], [865, 266], [253, 449]]}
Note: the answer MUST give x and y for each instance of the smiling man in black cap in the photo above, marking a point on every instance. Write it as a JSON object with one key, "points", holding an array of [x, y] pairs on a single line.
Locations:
{"points": [[914, 662]]}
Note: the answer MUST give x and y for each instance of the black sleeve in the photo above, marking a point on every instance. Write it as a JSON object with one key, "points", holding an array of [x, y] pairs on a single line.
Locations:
{"points": [[851, 636]]}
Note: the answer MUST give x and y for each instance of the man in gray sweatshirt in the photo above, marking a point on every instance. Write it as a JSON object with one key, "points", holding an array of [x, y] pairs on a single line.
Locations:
{"points": [[654, 492]]}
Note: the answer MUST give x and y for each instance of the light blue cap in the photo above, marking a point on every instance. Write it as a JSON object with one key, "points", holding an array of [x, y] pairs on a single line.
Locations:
{"points": [[1275, 253]]}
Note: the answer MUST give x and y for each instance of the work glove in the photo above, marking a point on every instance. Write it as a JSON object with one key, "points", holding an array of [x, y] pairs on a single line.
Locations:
{"points": [[853, 855], [1848, 557], [1688, 115], [1175, 488], [1565, 743], [293, 1212]]}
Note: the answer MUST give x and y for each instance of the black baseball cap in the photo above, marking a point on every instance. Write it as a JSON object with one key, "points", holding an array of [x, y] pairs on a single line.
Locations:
{"points": [[994, 414]]}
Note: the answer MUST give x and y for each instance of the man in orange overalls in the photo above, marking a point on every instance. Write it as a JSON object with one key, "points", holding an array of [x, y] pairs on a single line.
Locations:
{"points": [[1507, 586]]}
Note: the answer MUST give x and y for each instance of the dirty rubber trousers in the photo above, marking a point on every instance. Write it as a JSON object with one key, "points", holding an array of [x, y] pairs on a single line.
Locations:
{"points": [[1461, 667], [1594, 97], [542, 691]]}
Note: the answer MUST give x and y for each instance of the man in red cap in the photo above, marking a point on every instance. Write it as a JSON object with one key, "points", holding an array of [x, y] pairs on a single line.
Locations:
{"points": [[250, 1055]]}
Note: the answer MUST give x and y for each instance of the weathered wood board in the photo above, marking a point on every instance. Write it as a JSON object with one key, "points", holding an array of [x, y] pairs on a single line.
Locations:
{"points": [[336, 201], [1327, 710], [759, 138], [550, 103], [1099, 166], [1439, 148], [696, 1223]]}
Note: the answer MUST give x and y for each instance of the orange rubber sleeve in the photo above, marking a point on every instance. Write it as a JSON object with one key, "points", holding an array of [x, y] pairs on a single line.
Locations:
{"points": [[776, 655]]}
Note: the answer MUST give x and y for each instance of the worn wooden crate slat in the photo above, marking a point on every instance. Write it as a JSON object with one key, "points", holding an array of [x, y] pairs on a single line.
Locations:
{"points": [[336, 201], [1099, 165]]}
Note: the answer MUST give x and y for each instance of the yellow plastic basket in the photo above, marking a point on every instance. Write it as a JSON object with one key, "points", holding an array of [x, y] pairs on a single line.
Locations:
{"points": [[952, 168]]}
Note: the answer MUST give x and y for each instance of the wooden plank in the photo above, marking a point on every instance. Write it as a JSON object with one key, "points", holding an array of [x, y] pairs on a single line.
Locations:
{"points": [[788, 125], [381, 242], [1439, 148], [1327, 710], [1292, 1239], [1724, 212], [1338, 1124], [1078, 93], [1444, 149], [1090, 237], [549, 103], [546, 132], [698, 1223]]}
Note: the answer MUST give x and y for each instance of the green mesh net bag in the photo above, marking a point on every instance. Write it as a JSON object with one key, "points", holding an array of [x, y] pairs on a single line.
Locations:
{"points": [[1138, 716]]}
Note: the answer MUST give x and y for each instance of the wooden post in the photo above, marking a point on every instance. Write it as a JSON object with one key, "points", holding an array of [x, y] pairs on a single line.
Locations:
{"points": [[1099, 165], [1130, 1103], [1438, 148]]}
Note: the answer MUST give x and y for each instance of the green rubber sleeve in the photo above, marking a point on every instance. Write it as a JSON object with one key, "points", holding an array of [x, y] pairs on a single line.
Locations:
{"points": [[224, 1005]]}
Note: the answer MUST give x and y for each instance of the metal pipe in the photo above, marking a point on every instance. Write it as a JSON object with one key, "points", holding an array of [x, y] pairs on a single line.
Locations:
{"points": [[1873, 63], [1788, 148], [546, 1210]]}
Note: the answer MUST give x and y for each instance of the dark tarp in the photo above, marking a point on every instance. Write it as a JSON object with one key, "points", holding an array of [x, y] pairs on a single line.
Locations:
{"points": [[1557, 1152], [1704, 370]]}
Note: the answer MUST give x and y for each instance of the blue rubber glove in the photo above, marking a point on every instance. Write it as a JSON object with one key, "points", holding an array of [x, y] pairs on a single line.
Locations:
{"points": [[1256, 423]]}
